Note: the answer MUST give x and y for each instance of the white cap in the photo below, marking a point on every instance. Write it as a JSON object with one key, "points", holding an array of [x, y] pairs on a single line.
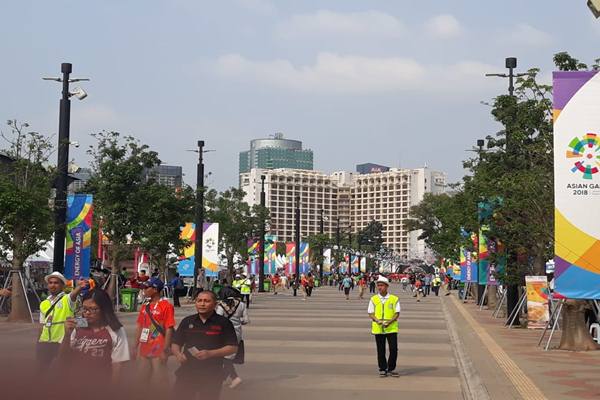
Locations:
{"points": [[383, 279], [56, 275]]}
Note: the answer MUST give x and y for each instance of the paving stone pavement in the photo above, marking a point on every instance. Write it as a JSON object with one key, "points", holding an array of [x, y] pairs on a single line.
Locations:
{"points": [[322, 348]]}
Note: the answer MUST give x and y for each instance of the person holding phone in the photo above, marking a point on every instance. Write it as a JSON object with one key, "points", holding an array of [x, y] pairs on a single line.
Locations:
{"points": [[200, 344], [155, 324], [97, 343]]}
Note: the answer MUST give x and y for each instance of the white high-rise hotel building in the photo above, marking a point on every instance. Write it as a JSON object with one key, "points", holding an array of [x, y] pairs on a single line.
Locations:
{"points": [[353, 198]]}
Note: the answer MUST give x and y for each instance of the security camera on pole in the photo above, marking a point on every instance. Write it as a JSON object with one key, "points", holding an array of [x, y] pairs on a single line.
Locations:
{"points": [[60, 201]]}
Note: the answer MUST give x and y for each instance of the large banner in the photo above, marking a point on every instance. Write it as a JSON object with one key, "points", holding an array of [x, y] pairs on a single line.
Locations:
{"points": [[210, 250], [363, 264], [468, 268], [270, 257], [577, 184], [537, 301], [483, 256], [304, 258], [253, 260], [290, 252], [327, 261], [79, 236]]}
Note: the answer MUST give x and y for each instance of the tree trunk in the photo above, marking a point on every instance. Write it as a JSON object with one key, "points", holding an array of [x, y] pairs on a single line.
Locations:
{"points": [[575, 335], [113, 281], [539, 263], [19, 311]]}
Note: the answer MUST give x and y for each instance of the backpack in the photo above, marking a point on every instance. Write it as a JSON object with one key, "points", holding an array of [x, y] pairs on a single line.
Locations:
{"points": [[179, 284]]}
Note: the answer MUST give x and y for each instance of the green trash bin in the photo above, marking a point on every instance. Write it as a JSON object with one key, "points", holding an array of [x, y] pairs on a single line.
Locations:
{"points": [[129, 299], [267, 285]]}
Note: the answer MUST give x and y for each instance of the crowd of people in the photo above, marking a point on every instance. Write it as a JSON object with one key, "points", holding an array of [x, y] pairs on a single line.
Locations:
{"points": [[81, 336]]}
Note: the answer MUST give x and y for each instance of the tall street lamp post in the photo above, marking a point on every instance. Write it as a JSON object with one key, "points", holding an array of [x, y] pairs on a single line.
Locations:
{"points": [[512, 294], [350, 250], [297, 239], [261, 241], [199, 217], [322, 249], [60, 202]]}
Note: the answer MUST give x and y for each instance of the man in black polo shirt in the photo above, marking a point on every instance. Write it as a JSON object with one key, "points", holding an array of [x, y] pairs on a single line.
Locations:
{"points": [[200, 344]]}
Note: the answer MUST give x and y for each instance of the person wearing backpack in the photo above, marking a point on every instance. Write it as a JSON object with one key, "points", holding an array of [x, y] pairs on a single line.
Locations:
{"points": [[178, 289], [231, 307], [155, 325]]}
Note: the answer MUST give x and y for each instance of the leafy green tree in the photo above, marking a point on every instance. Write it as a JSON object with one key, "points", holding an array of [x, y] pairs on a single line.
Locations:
{"points": [[317, 244], [119, 186], [237, 222], [165, 210], [370, 238], [26, 220]]}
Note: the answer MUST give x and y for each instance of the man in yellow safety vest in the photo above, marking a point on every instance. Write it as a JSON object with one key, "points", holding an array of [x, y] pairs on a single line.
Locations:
{"points": [[54, 311], [245, 289], [384, 309]]}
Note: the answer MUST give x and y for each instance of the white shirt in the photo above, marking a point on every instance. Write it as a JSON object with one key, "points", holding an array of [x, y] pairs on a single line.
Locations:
{"points": [[371, 308]]}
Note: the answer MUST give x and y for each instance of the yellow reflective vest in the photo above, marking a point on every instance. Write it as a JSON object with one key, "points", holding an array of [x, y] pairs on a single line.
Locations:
{"points": [[237, 284], [53, 323], [384, 312], [246, 286]]}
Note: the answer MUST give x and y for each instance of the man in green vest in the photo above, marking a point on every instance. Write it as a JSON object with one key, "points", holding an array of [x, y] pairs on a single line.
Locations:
{"points": [[54, 311], [384, 309], [245, 289]]}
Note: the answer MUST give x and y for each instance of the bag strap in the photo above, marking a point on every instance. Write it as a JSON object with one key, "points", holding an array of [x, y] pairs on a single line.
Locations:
{"points": [[156, 325], [53, 304]]}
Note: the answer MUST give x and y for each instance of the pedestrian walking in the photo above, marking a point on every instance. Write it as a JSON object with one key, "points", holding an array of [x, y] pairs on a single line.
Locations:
{"points": [[276, 281], [404, 281], [436, 282], [155, 325], [347, 284], [418, 289], [97, 344], [200, 344], [231, 307], [294, 285], [362, 285], [310, 284], [246, 290], [384, 310], [54, 312], [372, 284], [304, 286], [427, 285], [179, 289]]}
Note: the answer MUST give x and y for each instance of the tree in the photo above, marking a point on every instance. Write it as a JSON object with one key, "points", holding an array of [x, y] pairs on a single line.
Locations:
{"points": [[237, 221], [118, 186], [164, 211], [370, 238], [317, 243], [26, 220]]}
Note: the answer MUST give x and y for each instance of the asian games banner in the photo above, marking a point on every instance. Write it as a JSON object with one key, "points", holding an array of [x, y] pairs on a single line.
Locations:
{"points": [[210, 250], [253, 257], [304, 258], [327, 261], [577, 184], [290, 252], [79, 236], [468, 268]]}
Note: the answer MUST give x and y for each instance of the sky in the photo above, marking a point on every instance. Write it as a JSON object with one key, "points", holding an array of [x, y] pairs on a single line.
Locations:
{"points": [[400, 83]]}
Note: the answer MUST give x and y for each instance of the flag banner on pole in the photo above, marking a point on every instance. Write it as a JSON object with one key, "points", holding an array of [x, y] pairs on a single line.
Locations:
{"points": [[483, 261], [79, 236], [270, 254], [537, 301], [327, 261], [290, 252], [253, 257], [185, 267], [363, 264], [577, 184], [210, 250], [304, 258], [463, 264]]}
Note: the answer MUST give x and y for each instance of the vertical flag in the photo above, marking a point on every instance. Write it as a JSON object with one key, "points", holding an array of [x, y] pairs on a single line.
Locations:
{"points": [[79, 236], [290, 252]]}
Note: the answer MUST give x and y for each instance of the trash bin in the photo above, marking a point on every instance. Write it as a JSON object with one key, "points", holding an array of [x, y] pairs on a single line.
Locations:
{"points": [[129, 299], [267, 285]]}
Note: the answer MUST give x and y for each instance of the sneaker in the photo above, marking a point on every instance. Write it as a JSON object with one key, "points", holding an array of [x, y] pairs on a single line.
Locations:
{"points": [[235, 383], [394, 374], [383, 374]]}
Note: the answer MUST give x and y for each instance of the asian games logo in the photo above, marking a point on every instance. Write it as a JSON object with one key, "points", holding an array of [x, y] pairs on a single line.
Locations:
{"points": [[586, 154]]}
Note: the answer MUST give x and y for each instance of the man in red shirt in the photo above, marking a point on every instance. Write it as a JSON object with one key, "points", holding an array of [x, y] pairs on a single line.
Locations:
{"points": [[155, 325]]}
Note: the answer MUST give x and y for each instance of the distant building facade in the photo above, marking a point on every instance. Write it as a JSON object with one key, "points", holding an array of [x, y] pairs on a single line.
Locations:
{"points": [[370, 168], [354, 198], [168, 175], [273, 153]]}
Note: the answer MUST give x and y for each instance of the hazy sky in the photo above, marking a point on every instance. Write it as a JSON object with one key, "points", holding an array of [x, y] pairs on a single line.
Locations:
{"points": [[392, 82]]}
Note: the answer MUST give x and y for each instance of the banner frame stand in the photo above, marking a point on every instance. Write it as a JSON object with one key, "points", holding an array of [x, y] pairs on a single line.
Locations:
{"points": [[25, 283], [553, 311], [500, 304], [513, 316], [555, 324], [482, 299]]}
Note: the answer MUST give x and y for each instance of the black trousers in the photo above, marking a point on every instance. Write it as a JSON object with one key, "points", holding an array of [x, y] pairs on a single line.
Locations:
{"points": [[246, 299], [436, 290], [387, 364]]}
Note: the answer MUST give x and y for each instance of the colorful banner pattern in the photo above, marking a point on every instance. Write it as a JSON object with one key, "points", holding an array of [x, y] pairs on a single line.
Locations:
{"points": [[304, 258], [210, 250], [290, 252], [577, 184], [79, 236], [327, 261], [537, 301], [252, 262]]}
